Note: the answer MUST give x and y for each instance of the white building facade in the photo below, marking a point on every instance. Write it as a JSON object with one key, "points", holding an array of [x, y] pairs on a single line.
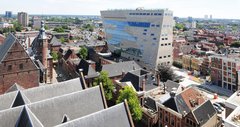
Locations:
{"points": [[145, 36]]}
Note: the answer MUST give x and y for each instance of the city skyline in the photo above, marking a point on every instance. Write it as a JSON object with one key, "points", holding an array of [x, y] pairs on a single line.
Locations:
{"points": [[185, 8]]}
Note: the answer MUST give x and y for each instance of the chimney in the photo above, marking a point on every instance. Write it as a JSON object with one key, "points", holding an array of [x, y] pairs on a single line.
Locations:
{"points": [[197, 100], [143, 84], [29, 45], [123, 73], [172, 94], [158, 80]]}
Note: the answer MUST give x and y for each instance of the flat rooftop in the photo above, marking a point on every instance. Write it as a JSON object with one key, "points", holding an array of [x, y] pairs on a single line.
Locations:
{"points": [[233, 120], [234, 100]]}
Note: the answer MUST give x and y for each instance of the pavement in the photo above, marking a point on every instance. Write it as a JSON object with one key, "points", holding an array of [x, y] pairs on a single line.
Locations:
{"points": [[207, 90]]}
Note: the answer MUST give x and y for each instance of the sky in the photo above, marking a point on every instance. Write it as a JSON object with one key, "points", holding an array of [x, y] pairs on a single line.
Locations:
{"points": [[182, 8]]}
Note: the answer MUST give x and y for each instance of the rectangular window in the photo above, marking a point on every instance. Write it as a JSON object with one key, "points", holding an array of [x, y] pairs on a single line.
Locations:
{"points": [[169, 43], [165, 56], [9, 67], [145, 29], [161, 44], [166, 38], [152, 25], [160, 57], [169, 55], [152, 34], [159, 14], [162, 38], [20, 66], [155, 13], [157, 25], [166, 44], [154, 38], [144, 33]]}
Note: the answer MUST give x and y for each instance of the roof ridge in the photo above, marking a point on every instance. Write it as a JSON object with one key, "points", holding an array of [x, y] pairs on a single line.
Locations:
{"points": [[100, 111], [62, 96], [6, 45], [29, 111]]}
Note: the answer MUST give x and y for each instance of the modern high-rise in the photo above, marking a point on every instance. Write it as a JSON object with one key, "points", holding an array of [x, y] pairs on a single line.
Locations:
{"points": [[23, 19], [8, 14], [142, 35]]}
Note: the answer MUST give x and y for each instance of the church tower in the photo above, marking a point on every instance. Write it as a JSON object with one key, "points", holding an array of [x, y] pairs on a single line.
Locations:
{"points": [[44, 41]]}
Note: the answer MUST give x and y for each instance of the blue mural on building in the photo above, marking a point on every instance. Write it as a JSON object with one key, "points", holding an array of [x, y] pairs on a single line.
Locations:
{"points": [[118, 33]]}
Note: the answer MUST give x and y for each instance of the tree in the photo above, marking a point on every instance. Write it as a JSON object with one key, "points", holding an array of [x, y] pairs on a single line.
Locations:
{"points": [[179, 26], [55, 55], [107, 84], [235, 44], [130, 95], [83, 52], [165, 73], [18, 27], [46, 27], [62, 40], [58, 29]]}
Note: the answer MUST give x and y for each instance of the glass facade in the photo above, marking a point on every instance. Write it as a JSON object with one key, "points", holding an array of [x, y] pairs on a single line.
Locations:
{"points": [[118, 33]]}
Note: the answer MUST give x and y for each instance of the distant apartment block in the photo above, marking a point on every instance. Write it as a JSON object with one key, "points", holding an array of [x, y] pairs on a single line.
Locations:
{"points": [[224, 71], [145, 36], [23, 18], [8, 14]]}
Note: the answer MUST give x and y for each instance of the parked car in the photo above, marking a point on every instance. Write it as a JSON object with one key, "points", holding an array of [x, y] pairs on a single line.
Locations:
{"points": [[217, 109], [219, 106], [221, 103]]}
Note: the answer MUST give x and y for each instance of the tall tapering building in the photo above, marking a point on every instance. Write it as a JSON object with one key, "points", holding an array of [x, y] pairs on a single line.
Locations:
{"points": [[23, 19], [142, 35]]}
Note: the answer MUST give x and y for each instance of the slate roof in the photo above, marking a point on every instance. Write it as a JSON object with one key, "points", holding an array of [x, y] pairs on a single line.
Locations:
{"points": [[51, 111], [55, 42], [170, 85], [14, 87], [136, 77], [74, 105], [150, 103], [7, 44], [116, 69], [116, 116], [57, 89], [27, 96], [204, 112]]}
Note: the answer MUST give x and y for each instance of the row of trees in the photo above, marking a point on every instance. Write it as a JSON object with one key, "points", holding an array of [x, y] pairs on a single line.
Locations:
{"points": [[16, 28], [165, 73], [127, 93]]}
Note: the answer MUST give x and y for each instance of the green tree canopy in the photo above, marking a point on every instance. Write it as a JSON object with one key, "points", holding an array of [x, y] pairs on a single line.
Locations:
{"points": [[83, 52], [235, 44], [107, 84], [18, 27], [55, 55], [131, 96], [62, 40], [88, 27], [179, 26], [165, 73], [58, 29]]}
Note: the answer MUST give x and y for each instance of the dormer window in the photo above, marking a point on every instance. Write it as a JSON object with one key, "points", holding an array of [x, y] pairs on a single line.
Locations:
{"points": [[65, 119]]}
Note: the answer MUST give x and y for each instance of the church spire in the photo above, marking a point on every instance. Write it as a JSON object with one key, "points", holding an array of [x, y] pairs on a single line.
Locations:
{"points": [[42, 34]]}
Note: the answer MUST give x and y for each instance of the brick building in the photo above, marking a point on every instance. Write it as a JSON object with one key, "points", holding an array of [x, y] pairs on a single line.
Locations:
{"points": [[224, 71], [2, 38], [16, 66], [41, 48], [186, 109]]}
